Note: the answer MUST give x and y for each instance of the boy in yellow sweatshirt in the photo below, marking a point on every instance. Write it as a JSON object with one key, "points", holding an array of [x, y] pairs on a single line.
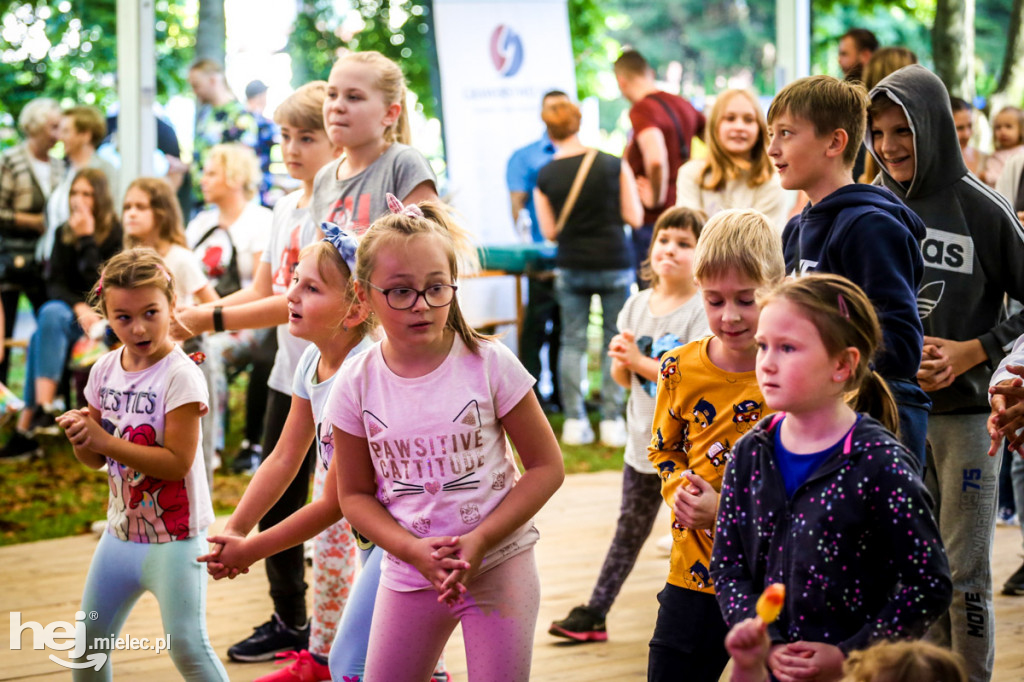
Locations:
{"points": [[707, 399]]}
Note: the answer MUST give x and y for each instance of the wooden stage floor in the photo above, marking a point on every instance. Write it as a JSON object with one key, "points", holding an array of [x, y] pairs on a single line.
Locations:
{"points": [[44, 582]]}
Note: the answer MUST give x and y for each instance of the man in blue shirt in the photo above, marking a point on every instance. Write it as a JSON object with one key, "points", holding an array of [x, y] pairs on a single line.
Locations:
{"points": [[541, 324]]}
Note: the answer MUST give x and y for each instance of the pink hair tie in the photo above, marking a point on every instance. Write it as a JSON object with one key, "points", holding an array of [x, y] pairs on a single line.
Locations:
{"points": [[395, 206], [164, 270], [99, 286], [843, 310]]}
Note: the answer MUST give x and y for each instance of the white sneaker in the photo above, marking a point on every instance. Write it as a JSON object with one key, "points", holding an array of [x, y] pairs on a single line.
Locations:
{"points": [[613, 432], [577, 432], [664, 545]]}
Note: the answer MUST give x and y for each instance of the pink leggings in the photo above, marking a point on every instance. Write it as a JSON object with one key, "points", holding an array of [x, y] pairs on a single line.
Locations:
{"points": [[498, 618]]}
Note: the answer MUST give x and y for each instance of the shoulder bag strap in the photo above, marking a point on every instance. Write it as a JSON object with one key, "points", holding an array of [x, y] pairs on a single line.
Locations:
{"points": [[684, 149], [574, 192]]}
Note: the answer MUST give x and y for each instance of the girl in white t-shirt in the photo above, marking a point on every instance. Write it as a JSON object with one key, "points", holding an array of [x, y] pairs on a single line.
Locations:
{"points": [[151, 218], [142, 422], [422, 422], [737, 172]]}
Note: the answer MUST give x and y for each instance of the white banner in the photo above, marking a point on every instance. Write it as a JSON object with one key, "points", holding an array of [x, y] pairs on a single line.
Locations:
{"points": [[497, 59]]}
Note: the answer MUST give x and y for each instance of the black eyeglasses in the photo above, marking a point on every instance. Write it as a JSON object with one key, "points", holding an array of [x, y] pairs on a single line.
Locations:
{"points": [[403, 298]]}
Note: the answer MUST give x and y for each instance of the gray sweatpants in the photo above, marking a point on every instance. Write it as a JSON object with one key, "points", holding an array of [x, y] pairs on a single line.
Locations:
{"points": [[964, 481]]}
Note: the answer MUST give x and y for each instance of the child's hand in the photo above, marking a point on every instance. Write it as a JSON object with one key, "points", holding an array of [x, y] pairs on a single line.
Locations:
{"points": [[623, 348], [936, 370], [696, 502], [471, 552], [186, 322], [435, 558], [228, 557], [748, 645], [1007, 418], [799, 661], [214, 567], [76, 425]]}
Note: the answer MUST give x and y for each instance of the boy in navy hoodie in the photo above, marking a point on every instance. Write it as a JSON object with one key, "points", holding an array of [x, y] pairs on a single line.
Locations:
{"points": [[973, 254], [861, 232]]}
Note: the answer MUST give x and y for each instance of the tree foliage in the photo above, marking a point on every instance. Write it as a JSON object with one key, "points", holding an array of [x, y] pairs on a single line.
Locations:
{"points": [[712, 40], [67, 49], [401, 29]]}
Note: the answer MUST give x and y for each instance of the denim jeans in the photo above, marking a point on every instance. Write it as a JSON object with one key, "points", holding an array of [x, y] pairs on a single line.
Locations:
{"points": [[913, 405], [48, 348], [574, 289]]}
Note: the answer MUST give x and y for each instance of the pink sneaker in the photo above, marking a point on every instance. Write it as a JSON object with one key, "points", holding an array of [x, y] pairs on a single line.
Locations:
{"points": [[304, 668]]}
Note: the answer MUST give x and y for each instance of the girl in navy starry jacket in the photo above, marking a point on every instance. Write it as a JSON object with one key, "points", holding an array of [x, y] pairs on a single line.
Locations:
{"points": [[824, 498]]}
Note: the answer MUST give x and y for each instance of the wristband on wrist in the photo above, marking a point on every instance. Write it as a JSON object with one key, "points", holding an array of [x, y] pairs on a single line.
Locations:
{"points": [[218, 318]]}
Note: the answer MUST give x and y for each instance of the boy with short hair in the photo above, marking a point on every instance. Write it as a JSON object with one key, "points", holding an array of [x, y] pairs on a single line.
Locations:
{"points": [[707, 399], [861, 232], [973, 255]]}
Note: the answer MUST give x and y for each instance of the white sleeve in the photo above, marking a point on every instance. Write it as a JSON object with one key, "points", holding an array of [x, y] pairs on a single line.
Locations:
{"points": [[1009, 179], [1015, 357]]}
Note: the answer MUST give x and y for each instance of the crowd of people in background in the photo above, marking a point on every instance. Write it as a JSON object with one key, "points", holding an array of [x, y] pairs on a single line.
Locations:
{"points": [[812, 354]]}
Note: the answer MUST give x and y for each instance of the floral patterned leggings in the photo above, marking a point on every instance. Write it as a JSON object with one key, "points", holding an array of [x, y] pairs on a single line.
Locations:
{"points": [[334, 571]]}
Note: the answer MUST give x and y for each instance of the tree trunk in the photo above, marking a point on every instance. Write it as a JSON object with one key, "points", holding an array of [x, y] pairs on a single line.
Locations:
{"points": [[953, 45], [1010, 89], [211, 32]]}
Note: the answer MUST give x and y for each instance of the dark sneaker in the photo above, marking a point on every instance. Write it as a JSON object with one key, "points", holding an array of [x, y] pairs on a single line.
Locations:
{"points": [[20, 448], [43, 423], [247, 460], [1014, 585], [268, 640], [583, 624]]}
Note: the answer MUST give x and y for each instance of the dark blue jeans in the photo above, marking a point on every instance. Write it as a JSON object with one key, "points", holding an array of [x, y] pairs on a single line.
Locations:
{"points": [[57, 328], [913, 405], [574, 289]]}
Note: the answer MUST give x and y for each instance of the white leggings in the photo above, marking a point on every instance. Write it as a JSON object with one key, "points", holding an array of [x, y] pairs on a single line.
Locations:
{"points": [[498, 618], [119, 574]]}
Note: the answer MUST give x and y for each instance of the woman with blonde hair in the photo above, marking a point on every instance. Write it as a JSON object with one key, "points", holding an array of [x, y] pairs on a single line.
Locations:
{"points": [[737, 172]]}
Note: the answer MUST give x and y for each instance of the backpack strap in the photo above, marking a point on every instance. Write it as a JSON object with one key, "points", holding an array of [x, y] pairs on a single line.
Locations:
{"points": [[684, 148]]}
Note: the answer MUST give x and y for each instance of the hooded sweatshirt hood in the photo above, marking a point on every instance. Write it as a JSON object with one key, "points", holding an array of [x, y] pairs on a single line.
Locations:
{"points": [[938, 161], [974, 244]]}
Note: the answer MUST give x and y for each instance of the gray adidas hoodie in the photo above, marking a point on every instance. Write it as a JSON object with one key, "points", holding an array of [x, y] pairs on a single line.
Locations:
{"points": [[974, 246]]}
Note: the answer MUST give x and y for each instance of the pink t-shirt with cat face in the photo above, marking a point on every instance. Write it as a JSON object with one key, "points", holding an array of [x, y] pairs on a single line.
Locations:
{"points": [[441, 456]]}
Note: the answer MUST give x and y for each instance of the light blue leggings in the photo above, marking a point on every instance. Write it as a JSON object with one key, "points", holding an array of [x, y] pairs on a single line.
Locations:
{"points": [[121, 571], [348, 653]]}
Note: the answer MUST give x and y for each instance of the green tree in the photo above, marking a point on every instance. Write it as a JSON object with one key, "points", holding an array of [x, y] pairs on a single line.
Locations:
{"points": [[211, 32], [67, 49], [402, 31], [713, 40]]}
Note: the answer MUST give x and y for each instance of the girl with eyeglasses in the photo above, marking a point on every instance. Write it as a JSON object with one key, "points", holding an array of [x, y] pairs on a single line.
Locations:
{"points": [[422, 428]]}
